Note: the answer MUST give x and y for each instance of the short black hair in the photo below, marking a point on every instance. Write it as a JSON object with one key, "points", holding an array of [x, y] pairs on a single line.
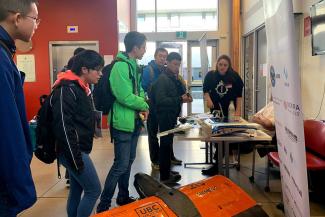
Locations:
{"points": [[87, 58], [160, 49], [70, 63], [78, 50], [174, 56], [133, 39], [19, 6]]}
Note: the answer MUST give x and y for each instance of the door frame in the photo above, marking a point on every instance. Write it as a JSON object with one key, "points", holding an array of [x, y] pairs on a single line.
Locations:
{"points": [[255, 67], [215, 51], [52, 44]]}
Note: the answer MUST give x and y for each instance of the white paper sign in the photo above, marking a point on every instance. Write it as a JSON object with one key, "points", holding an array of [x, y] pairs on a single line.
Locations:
{"points": [[108, 59], [26, 63], [286, 91]]}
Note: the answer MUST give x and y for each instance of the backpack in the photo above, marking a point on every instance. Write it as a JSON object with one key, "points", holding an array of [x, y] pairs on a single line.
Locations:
{"points": [[102, 93], [45, 139]]}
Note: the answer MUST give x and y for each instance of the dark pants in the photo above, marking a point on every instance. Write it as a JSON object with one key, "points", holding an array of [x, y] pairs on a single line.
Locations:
{"points": [[152, 128], [84, 187], [125, 147], [166, 121]]}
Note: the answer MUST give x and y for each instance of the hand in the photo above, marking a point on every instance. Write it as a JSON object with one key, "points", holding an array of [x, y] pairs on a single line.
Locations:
{"points": [[210, 104], [144, 114], [190, 97], [186, 98]]}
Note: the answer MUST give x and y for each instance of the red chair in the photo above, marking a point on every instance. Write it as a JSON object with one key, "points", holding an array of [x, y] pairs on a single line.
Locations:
{"points": [[315, 149]]}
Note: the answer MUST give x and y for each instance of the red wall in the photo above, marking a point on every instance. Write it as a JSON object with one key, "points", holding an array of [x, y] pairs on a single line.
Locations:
{"points": [[97, 20]]}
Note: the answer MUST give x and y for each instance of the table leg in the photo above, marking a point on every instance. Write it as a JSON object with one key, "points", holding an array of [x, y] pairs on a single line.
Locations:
{"points": [[253, 165], [211, 152], [220, 157], [206, 152], [227, 158]]}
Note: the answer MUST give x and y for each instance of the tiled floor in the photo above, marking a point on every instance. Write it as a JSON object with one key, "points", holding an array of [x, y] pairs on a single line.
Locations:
{"points": [[52, 192]]}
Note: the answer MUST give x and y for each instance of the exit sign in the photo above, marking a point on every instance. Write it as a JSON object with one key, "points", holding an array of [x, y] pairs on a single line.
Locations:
{"points": [[181, 35]]}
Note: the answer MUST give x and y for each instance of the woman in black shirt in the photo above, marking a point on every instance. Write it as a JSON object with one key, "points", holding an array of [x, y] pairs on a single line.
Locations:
{"points": [[222, 86]]}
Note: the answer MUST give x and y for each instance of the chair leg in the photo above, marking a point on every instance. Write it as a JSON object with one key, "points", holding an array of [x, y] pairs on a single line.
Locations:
{"points": [[310, 184], [267, 186], [252, 178], [238, 158]]}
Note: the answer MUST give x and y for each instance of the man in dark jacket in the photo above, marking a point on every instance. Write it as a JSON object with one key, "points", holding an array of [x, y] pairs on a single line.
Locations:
{"points": [[18, 20], [168, 95], [150, 74]]}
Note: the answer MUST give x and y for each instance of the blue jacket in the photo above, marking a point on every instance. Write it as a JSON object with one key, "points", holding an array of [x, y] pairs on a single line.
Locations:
{"points": [[147, 78], [16, 181]]}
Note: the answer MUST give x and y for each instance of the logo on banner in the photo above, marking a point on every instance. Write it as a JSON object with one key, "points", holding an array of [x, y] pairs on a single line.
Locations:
{"points": [[272, 76], [292, 136], [151, 210], [292, 108], [286, 75]]}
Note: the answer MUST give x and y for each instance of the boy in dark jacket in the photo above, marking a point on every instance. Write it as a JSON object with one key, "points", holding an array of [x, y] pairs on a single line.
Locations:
{"points": [[73, 126], [168, 95], [18, 20]]}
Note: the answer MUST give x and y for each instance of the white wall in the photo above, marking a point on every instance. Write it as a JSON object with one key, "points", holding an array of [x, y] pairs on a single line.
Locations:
{"points": [[312, 72], [312, 68], [252, 15], [124, 15]]}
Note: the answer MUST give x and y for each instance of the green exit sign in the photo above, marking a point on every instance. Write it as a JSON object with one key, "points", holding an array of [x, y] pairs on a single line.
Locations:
{"points": [[181, 35]]}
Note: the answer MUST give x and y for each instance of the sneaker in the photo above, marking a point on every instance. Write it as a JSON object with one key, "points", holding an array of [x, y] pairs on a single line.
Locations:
{"points": [[176, 161], [102, 208], [213, 170], [124, 201], [173, 178], [155, 166], [174, 172]]}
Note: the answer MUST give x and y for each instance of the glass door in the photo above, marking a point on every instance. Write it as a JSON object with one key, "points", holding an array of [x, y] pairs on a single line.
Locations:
{"points": [[191, 69], [195, 75], [249, 76], [261, 71], [181, 48]]}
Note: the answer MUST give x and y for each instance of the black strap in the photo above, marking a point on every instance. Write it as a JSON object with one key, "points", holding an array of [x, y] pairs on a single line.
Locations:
{"points": [[134, 92], [7, 49]]}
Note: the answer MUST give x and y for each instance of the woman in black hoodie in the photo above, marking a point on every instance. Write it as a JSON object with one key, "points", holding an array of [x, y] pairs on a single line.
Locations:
{"points": [[73, 125]]}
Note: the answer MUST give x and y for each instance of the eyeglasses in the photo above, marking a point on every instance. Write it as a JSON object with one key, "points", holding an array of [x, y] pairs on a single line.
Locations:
{"points": [[36, 19]]}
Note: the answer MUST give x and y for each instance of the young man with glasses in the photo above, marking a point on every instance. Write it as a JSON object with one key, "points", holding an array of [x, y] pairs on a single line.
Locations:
{"points": [[74, 128], [18, 20]]}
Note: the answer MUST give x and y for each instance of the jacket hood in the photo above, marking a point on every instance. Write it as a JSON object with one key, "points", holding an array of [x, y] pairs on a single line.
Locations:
{"points": [[123, 56], [70, 76], [9, 42]]}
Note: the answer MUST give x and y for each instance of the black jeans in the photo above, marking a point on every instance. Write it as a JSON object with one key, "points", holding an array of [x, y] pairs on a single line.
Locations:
{"points": [[152, 128], [166, 121]]}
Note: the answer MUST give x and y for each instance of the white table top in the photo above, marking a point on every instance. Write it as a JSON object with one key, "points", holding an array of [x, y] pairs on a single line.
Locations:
{"points": [[201, 134]]}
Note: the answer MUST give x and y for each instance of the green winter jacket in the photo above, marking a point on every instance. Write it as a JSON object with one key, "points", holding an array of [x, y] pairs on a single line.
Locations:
{"points": [[127, 104]]}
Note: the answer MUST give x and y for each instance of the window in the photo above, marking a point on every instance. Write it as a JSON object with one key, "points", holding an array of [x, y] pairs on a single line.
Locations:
{"points": [[177, 15], [146, 15]]}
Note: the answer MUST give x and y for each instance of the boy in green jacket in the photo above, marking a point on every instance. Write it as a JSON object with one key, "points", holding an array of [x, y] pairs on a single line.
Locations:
{"points": [[128, 107]]}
